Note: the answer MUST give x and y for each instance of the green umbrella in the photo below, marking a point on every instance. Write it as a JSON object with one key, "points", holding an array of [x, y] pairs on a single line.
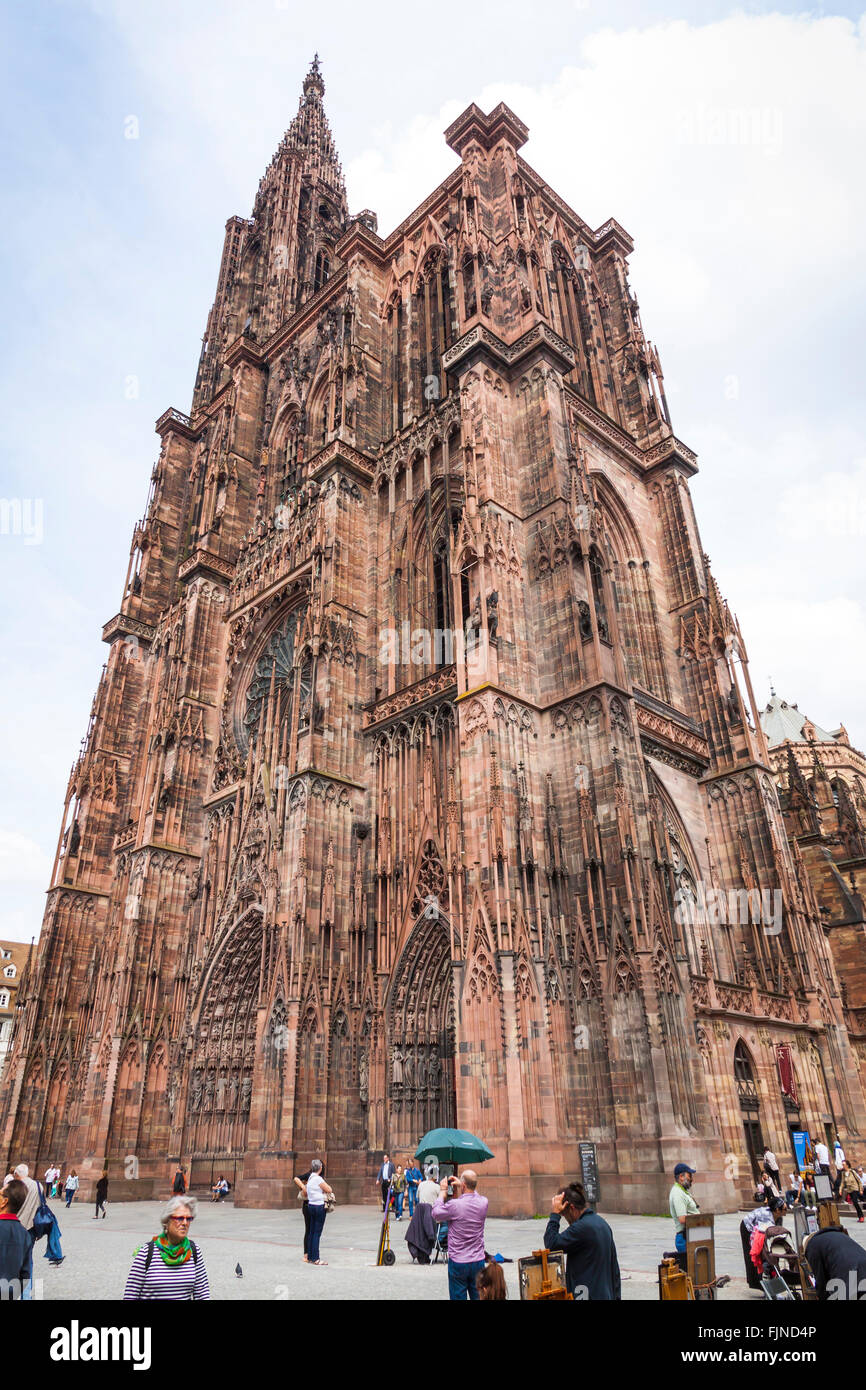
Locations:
{"points": [[452, 1146]]}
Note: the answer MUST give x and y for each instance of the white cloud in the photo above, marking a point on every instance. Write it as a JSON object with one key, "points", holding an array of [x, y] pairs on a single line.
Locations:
{"points": [[22, 860]]}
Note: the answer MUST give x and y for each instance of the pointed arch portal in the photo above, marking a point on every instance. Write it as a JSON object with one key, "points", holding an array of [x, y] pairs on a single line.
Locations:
{"points": [[420, 1059]]}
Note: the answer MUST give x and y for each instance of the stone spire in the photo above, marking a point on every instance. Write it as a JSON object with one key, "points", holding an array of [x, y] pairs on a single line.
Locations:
{"points": [[310, 136]]}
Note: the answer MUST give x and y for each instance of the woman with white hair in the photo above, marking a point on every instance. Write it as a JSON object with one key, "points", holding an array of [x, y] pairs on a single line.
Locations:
{"points": [[170, 1266], [428, 1190], [316, 1190]]}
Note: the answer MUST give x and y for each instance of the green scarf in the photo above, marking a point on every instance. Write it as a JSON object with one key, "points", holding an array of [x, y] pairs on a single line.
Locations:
{"points": [[173, 1254]]}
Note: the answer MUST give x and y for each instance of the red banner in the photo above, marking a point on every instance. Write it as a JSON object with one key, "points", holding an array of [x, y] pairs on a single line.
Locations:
{"points": [[785, 1063]]}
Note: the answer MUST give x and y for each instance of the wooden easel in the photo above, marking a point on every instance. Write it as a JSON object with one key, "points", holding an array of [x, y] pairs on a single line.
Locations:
{"points": [[549, 1291]]}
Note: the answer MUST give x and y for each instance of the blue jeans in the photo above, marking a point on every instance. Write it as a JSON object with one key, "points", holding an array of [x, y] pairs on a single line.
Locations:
{"points": [[412, 1194], [53, 1251], [461, 1280], [398, 1198], [317, 1221]]}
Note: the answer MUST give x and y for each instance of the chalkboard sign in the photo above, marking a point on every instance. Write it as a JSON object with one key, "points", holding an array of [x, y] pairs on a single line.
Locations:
{"points": [[589, 1174]]}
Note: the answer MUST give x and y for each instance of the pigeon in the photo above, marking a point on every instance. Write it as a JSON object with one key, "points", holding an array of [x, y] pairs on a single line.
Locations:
{"points": [[238, 1271]]}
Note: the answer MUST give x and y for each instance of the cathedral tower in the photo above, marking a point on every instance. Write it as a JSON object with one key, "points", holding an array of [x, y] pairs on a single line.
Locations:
{"points": [[424, 782]]}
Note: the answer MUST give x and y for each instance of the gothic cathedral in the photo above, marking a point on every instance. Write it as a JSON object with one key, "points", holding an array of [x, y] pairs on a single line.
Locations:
{"points": [[425, 783]]}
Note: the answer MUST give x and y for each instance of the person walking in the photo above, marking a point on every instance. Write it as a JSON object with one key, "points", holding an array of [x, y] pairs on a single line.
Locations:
{"points": [[591, 1264], [101, 1196], [398, 1185], [682, 1204], [771, 1164], [838, 1164], [169, 1267], [383, 1178], [822, 1157], [16, 1249], [413, 1179], [461, 1205], [316, 1190], [301, 1184], [30, 1205], [850, 1187], [70, 1187], [178, 1186]]}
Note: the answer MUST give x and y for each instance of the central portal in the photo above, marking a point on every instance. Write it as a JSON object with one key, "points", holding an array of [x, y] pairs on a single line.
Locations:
{"points": [[421, 1086]]}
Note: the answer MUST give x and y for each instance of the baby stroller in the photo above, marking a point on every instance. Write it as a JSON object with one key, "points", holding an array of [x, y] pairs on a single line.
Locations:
{"points": [[780, 1279]]}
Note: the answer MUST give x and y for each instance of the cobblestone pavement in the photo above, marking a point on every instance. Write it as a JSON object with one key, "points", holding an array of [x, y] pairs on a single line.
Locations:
{"points": [[268, 1246]]}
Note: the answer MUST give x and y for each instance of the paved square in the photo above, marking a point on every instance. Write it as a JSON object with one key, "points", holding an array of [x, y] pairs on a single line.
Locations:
{"points": [[268, 1246]]}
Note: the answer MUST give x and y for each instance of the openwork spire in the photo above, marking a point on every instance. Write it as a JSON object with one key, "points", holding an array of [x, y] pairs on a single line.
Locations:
{"points": [[310, 136]]}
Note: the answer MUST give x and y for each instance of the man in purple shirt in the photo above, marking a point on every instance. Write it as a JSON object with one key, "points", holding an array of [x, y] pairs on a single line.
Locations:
{"points": [[465, 1211]]}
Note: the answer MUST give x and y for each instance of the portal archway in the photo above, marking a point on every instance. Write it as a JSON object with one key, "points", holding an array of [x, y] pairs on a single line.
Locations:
{"points": [[221, 1080], [420, 1059]]}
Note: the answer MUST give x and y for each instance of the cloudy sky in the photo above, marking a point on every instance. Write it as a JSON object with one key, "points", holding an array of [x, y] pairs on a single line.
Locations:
{"points": [[729, 142]]}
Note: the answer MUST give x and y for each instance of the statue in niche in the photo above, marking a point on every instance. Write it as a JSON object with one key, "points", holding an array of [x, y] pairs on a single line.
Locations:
{"points": [[409, 1068], [233, 1093], [246, 1093], [584, 620], [434, 1069], [363, 1077], [492, 613], [397, 1067], [221, 1093], [473, 623], [422, 1069], [208, 1094], [196, 1091]]}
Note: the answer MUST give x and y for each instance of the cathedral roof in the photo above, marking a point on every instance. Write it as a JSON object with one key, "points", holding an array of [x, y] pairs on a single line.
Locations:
{"points": [[783, 723]]}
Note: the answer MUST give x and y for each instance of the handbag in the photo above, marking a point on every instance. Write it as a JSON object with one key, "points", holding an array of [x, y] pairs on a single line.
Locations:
{"points": [[330, 1201], [44, 1217]]}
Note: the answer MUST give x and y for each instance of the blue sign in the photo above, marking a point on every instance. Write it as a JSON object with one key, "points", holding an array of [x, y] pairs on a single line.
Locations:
{"points": [[803, 1149]]}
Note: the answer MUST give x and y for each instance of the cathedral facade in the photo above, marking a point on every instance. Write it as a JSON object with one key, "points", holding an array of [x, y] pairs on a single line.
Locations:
{"points": [[424, 783]]}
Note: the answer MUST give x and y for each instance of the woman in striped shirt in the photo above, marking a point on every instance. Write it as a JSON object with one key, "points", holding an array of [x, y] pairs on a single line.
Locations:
{"points": [[170, 1266]]}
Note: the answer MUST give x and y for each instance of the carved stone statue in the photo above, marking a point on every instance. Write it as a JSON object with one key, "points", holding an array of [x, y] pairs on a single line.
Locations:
{"points": [[492, 613], [409, 1068], [397, 1067], [246, 1093], [584, 620], [473, 622], [196, 1091], [208, 1094], [363, 1078]]}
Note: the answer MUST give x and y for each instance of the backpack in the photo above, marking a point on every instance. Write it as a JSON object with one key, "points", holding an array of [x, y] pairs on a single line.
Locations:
{"points": [[148, 1260], [44, 1217]]}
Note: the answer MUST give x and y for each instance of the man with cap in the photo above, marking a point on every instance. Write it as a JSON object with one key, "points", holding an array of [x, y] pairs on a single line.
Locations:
{"points": [[682, 1204]]}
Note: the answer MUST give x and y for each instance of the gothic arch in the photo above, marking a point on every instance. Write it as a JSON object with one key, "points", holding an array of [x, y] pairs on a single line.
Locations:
{"points": [[420, 1022], [224, 1043]]}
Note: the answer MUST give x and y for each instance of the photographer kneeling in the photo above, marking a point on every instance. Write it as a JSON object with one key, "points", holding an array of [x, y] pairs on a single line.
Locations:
{"points": [[465, 1211]]}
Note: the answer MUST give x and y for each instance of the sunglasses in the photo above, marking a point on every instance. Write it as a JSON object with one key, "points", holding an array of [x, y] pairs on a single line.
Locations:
{"points": [[184, 1219]]}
